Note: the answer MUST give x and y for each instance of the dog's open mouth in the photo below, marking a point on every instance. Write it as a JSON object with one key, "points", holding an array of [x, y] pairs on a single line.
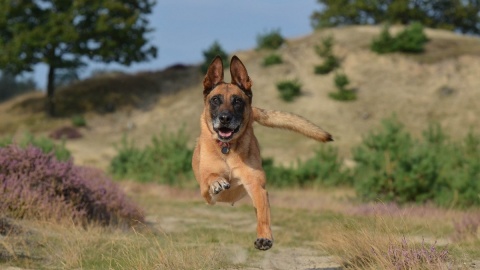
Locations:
{"points": [[225, 133]]}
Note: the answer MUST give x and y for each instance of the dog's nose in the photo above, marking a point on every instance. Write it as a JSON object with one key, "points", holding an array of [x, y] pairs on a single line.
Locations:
{"points": [[225, 118]]}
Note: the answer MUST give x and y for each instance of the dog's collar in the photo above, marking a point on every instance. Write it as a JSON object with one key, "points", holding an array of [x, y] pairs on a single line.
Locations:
{"points": [[225, 147]]}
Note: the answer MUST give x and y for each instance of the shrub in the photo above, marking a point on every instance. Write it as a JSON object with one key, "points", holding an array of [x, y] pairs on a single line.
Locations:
{"points": [[79, 121], [271, 40], [38, 186], [289, 89], [325, 49], [341, 80], [323, 169], [394, 167], [330, 62], [343, 94], [272, 59], [384, 43], [210, 53], [167, 160], [410, 40]]}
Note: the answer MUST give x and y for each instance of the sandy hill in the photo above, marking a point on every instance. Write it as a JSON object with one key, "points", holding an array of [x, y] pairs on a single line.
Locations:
{"points": [[441, 85]]}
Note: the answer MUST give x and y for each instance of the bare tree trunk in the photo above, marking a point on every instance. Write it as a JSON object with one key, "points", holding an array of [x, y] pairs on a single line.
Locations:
{"points": [[51, 91]]}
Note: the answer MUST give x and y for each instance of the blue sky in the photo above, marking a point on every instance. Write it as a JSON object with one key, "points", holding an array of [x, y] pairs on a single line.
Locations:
{"points": [[185, 28]]}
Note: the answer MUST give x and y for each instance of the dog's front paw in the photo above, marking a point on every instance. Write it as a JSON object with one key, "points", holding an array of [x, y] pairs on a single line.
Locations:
{"points": [[263, 243], [219, 186]]}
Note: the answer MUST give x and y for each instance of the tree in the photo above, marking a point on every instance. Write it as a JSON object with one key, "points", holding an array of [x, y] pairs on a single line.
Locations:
{"points": [[64, 34], [210, 53], [11, 86], [458, 15]]}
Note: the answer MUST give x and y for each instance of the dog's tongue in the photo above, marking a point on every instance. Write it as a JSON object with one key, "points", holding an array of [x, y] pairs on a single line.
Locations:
{"points": [[225, 133]]}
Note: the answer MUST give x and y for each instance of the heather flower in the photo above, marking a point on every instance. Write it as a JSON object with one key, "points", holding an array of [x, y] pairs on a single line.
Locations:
{"points": [[407, 256], [36, 185]]}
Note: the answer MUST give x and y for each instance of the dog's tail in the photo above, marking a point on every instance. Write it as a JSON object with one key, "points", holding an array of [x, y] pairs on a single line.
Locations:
{"points": [[277, 119]]}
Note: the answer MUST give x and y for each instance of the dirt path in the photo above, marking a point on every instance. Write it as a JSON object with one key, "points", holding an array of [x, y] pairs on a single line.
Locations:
{"points": [[174, 211]]}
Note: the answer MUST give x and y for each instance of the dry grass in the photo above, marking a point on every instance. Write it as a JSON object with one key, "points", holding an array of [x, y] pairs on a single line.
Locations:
{"points": [[382, 244], [182, 232], [66, 246]]}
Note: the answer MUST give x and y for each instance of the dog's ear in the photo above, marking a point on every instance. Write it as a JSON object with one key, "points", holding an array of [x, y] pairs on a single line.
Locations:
{"points": [[214, 75], [240, 76]]}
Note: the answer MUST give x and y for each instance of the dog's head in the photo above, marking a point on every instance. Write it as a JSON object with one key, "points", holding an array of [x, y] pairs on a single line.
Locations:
{"points": [[228, 105]]}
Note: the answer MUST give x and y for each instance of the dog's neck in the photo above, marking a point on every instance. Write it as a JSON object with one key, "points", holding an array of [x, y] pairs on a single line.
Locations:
{"points": [[225, 146]]}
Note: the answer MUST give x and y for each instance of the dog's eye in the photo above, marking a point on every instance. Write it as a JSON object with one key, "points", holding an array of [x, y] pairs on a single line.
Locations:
{"points": [[215, 100], [237, 101]]}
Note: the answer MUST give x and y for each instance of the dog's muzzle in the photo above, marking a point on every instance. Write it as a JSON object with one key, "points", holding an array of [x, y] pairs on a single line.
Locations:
{"points": [[225, 126]]}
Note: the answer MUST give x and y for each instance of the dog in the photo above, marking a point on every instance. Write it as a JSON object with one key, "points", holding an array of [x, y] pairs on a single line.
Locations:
{"points": [[226, 160]]}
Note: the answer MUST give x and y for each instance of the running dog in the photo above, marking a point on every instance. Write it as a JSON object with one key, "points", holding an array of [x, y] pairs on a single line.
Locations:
{"points": [[226, 160]]}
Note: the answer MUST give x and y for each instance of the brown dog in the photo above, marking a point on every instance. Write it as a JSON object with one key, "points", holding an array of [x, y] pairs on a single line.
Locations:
{"points": [[226, 160]]}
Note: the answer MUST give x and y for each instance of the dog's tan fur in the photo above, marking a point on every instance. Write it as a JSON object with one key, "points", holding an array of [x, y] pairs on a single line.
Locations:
{"points": [[228, 177]]}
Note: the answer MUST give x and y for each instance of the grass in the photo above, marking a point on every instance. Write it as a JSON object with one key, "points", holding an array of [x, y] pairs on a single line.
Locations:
{"points": [[184, 233]]}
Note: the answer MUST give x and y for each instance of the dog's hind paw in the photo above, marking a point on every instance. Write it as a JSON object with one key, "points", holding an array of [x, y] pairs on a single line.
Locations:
{"points": [[263, 243], [219, 186]]}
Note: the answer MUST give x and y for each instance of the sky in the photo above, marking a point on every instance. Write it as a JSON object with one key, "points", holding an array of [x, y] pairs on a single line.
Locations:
{"points": [[183, 29]]}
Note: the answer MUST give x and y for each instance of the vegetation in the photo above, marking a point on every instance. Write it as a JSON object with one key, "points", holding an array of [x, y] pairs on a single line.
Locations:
{"points": [[44, 144], [167, 160], [392, 166], [325, 51], [11, 86], [461, 16], [272, 59], [270, 40], [289, 89], [210, 53], [36, 185], [411, 40], [79, 121], [343, 94], [323, 169], [63, 34]]}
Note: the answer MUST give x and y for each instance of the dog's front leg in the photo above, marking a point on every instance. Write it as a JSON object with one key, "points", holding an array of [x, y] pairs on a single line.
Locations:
{"points": [[259, 196], [211, 185]]}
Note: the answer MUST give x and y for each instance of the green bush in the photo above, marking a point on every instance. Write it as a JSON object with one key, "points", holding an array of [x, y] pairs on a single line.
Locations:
{"points": [[341, 80], [343, 94], [46, 145], [78, 121], [384, 43], [271, 40], [329, 64], [210, 53], [392, 166], [323, 169], [325, 51], [326, 48], [167, 160], [272, 59], [289, 89], [410, 40]]}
